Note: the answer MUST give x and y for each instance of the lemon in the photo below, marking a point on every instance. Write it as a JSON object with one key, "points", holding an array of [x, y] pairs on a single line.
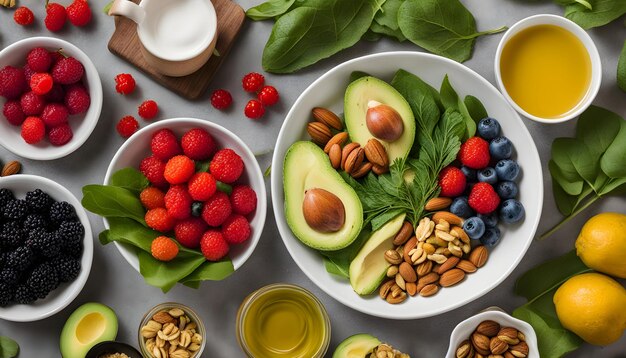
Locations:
{"points": [[592, 306], [601, 244]]}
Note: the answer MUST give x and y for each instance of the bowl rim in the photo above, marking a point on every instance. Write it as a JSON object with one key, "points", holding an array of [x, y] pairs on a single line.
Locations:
{"points": [[277, 189], [581, 35], [128, 255], [86, 259], [95, 93]]}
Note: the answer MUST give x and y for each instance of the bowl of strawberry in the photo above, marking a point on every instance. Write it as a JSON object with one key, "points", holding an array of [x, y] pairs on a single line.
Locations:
{"points": [[184, 201], [51, 97]]}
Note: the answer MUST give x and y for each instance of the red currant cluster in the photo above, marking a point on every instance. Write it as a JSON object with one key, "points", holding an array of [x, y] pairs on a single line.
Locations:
{"points": [[148, 109], [253, 82], [78, 13]]}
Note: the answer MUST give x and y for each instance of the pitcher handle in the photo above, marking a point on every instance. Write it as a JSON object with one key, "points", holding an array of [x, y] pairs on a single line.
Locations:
{"points": [[128, 9]]}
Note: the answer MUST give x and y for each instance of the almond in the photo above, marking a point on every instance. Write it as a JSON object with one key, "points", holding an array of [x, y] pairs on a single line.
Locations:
{"points": [[424, 268], [508, 335], [429, 290], [384, 289], [465, 350], [334, 154], [451, 277], [447, 216], [393, 257], [319, 132], [163, 317], [411, 288], [497, 346], [398, 299], [327, 117], [345, 152], [378, 170], [339, 138], [488, 328], [481, 343], [407, 272], [432, 277], [479, 256], [466, 266], [436, 204], [450, 263], [408, 246], [354, 160], [362, 170], [376, 153], [404, 234], [11, 168]]}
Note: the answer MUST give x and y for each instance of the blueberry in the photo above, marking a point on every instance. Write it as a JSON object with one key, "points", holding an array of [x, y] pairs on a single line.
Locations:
{"points": [[488, 175], [488, 128], [506, 190], [490, 220], [474, 227], [470, 174], [500, 148], [507, 169], [491, 237], [460, 207], [511, 211]]}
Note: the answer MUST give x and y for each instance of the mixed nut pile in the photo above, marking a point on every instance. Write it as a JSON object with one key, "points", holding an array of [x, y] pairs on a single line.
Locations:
{"points": [[384, 350], [491, 340], [171, 334]]}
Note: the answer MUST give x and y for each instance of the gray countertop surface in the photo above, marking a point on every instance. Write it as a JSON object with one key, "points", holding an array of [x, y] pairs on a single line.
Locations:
{"points": [[114, 282]]}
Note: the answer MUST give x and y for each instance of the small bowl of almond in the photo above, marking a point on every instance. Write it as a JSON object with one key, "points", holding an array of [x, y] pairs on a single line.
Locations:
{"points": [[493, 333], [171, 330]]}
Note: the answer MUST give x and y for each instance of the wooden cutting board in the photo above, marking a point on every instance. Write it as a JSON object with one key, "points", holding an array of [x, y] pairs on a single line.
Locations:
{"points": [[125, 43]]}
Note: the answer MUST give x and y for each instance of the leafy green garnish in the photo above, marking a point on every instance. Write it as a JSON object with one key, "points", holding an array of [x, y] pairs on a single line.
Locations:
{"points": [[451, 99], [130, 179], [269, 9], [621, 69], [593, 13], [475, 108], [8, 347], [338, 262], [113, 201]]}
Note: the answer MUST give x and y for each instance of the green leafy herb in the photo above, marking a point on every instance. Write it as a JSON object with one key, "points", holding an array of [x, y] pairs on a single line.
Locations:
{"points": [[203, 166], [443, 27], [130, 179], [8, 347], [166, 274], [451, 99], [389, 32], [269, 9], [594, 13], [223, 187], [338, 262], [475, 108], [621, 69], [113, 201], [386, 20]]}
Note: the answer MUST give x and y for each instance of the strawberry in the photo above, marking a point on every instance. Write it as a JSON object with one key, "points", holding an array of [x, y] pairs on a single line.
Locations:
{"points": [[474, 153]]}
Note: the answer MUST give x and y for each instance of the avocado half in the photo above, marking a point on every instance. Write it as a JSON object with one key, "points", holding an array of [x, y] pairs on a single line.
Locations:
{"points": [[357, 96], [89, 325], [356, 346], [307, 167]]}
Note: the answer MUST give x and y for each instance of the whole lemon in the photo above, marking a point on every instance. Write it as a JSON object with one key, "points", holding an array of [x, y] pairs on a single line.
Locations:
{"points": [[601, 244], [592, 306]]}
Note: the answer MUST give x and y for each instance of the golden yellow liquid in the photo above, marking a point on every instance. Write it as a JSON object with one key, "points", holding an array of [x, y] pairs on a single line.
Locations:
{"points": [[546, 70], [284, 322]]}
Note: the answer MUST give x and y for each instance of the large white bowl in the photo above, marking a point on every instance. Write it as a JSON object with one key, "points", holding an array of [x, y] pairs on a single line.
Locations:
{"points": [[328, 91], [82, 124], [66, 292], [137, 147]]}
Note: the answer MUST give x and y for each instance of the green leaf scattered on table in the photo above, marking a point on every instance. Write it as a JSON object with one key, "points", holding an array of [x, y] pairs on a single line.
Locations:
{"points": [[621, 69], [594, 13], [8, 347], [269, 9]]}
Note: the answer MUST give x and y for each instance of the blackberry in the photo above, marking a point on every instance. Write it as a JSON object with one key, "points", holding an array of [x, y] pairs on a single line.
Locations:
{"points": [[67, 268], [6, 195], [62, 211], [24, 295], [47, 244], [71, 231], [20, 259], [12, 235], [38, 201], [6, 294], [9, 276], [34, 221], [43, 280], [3, 258], [15, 209], [73, 249]]}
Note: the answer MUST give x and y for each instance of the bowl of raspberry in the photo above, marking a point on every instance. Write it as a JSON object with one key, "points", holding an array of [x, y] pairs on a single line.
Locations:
{"points": [[51, 97], [204, 191], [46, 248]]}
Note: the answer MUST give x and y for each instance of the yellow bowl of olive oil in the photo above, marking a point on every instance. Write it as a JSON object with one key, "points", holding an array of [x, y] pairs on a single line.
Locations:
{"points": [[548, 68], [283, 320]]}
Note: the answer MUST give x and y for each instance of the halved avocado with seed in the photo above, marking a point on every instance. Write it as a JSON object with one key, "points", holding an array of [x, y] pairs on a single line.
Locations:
{"points": [[356, 346]]}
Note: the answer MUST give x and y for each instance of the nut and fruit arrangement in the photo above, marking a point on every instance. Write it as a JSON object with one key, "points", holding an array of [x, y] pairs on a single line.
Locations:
{"points": [[44, 96], [491, 340], [171, 333]]}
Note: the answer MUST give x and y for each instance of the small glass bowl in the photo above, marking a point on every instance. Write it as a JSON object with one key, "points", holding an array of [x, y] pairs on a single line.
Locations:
{"points": [[166, 307]]}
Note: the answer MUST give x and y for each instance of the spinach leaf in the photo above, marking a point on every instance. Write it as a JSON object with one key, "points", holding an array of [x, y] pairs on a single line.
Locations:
{"points": [[388, 14], [355, 75], [612, 162], [112, 201], [475, 108], [315, 31], [571, 187], [130, 179], [424, 100], [166, 274], [443, 27], [210, 271], [601, 12], [451, 99], [621, 69], [269, 9], [8, 347], [384, 30], [597, 127], [584, 3], [336, 266]]}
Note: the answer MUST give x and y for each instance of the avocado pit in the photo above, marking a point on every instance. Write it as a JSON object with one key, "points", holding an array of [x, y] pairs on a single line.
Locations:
{"points": [[383, 121], [323, 211]]}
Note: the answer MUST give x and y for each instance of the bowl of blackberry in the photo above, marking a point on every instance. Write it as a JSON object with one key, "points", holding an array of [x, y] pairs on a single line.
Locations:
{"points": [[45, 248]]}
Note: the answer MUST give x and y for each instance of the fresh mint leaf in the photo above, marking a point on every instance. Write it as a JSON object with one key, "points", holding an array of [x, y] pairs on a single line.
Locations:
{"points": [[621, 69], [130, 179], [8, 347], [112, 201], [269, 9]]}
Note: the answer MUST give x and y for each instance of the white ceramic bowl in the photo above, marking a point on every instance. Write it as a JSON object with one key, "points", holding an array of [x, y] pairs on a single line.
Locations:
{"points": [[66, 292], [137, 147], [582, 35], [328, 91], [465, 329], [82, 124]]}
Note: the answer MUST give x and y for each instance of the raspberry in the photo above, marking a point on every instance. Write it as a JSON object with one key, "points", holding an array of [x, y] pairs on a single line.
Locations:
{"points": [[268, 96], [452, 182], [32, 103], [33, 130], [213, 245], [124, 83], [55, 17], [252, 82], [189, 232], [41, 83], [178, 202], [254, 109], [236, 229], [153, 168], [39, 59], [79, 13], [201, 186], [226, 166], [198, 144], [56, 94], [12, 111], [179, 169], [216, 209], [67, 70], [483, 198], [76, 99], [243, 200], [54, 114], [28, 74], [221, 99], [148, 109], [474, 153], [162, 248], [127, 126], [60, 135], [12, 82], [159, 220], [164, 144], [152, 198], [23, 16]]}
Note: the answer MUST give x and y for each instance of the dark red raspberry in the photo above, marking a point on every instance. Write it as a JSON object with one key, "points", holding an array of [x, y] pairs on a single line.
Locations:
{"points": [[268, 96], [39, 59], [236, 229], [60, 135], [32, 103], [164, 144], [79, 13], [33, 130], [483, 198], [12, 82], [148, 109], [217, 209], [252, 82], [243, 199], [124, 83], [76, 98], [41, 83], [12, 111], [153, 168], [452, 182], [226, 166], [178, 202], [201, 186], [474, 153], [213, 245], [221, 99], [198, 144], [23, 16], [67, 70], [254, 109], [54, 115], [127, 126], [56, 56], [56, 94], [55, 17], [28, 73], [189, 232]]}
